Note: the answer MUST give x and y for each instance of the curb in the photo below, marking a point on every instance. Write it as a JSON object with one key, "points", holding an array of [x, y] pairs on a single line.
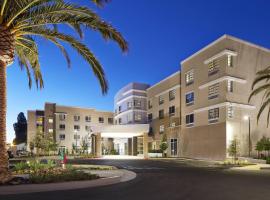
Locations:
{"points": [[71, 185]]}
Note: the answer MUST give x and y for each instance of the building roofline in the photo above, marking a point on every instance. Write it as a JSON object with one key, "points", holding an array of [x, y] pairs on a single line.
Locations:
{"points": [[175, 73], [225, 36], [104, 111]]}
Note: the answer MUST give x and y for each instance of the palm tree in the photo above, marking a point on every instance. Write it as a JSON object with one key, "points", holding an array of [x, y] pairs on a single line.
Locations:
{"points": [[22, 22], [263, 88]]}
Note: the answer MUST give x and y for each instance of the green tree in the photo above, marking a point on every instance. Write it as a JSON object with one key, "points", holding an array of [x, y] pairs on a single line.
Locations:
{"points": [[84, 144], [20, 20], [39, 142], [259, 147], [164, 145], [233, 149]]}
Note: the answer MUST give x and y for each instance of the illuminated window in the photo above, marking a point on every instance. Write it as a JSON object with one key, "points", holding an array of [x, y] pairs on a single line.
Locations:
{"points": [[50, 120], [230, 61], [138, 117], [230, 112], [173, 124], [189, 77], [50, 130], [230, 86], [213, 67]]}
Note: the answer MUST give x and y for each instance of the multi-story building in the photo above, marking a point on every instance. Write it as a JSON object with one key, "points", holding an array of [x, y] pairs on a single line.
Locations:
{"points": [[130, 104], [68, 125], [200, 110], [215, 87], [164, 113]]}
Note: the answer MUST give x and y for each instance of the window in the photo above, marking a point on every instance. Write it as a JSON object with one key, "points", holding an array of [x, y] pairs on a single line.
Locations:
{"points": [[161, 114], [172, 95], [190, 119], [138, 117], [62, 117], [190, 98], [77, 118], [50, 120], [172, 110], [88, 128], [189, 77], [129, 105], [110, 120], [213, 67], [119, 109], [101, 119], [213, 115], [230, 112], [161, 129], [62, 137], [119, 120], [150, 117], [50, 130], [88, 118], [76, 127], [77, 137], [173, 124], [230, 61], [230, 86], [150, 104], [161, 99], [173, 147], [137, 103], [213, 91], [62, 126]]}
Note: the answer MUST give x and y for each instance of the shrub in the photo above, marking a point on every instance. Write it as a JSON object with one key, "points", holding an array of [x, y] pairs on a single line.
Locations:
{"points": [[59, 175], [155, 151], [268, 160], [21, 166]]}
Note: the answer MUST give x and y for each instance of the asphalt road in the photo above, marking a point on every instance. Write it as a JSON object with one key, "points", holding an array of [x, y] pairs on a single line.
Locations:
{"points": [[168, 181]]}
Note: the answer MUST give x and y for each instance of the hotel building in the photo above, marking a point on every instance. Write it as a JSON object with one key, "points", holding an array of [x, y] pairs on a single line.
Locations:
{"points": [[199, 109]]}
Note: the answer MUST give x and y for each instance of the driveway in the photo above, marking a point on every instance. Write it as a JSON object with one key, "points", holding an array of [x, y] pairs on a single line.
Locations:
{"points": [[166, 180]]}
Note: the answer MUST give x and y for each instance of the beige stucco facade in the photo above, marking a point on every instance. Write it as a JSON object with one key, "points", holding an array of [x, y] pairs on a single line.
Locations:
{"points": [[167, 90], [200, 110], [236, 64]]}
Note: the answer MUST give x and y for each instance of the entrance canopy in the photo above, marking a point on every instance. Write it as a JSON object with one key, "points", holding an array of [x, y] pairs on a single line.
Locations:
{"points": [[123, 131]]}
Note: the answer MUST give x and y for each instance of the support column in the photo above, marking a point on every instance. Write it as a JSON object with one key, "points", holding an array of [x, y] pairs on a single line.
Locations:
{"points": [[134, 146], [98, 144], [145, 145], [129, 146]]}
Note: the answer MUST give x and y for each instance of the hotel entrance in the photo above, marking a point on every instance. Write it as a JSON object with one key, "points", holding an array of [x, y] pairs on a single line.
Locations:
{"points": [[121, 140]]}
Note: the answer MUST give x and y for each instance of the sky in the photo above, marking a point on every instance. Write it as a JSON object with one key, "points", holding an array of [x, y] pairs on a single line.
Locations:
{"points": [[160, 34]]}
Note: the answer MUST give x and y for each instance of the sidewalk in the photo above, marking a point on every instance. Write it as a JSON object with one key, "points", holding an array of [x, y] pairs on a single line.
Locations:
{"points": [[108, 177]]}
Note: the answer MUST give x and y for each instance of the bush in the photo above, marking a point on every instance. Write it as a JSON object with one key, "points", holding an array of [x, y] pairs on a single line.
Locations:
{"points": [[155, 151], [268, 160], [21, 166], [59, 175]]}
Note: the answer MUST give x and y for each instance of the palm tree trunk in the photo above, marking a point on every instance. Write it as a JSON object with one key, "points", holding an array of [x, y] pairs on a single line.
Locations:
{"points": [[4, 174]]}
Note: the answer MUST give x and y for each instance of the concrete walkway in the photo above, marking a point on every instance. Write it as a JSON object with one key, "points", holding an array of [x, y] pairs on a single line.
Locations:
{"points": [[108, 177]]}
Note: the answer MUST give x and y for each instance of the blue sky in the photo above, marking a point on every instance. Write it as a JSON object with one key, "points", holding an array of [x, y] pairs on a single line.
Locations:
{"points": [[160, 34]]}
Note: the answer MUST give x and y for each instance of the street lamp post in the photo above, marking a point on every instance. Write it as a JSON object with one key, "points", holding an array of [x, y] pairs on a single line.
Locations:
{"points": [[247, 118]]}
